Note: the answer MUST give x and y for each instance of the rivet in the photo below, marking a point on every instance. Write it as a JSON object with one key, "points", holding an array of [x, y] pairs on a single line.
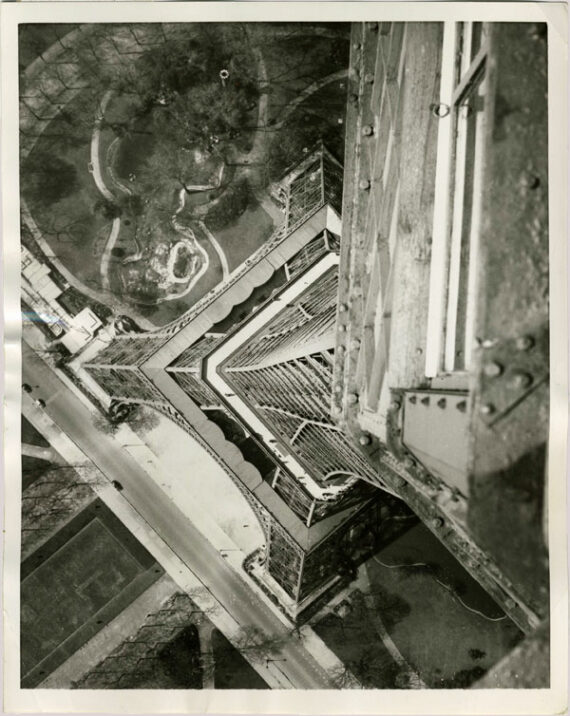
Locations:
{"points": [[338, 388], [396, 405], [355, 344], [425, 401], [341, 350], [342, 307], [524, 343], [412, 399], [441, 403], [520, 380], [352, 398], [492, 369], [462, 406], [487, 409], [373, 26], [367, 130], [419, 351], [364, 184], [365, 439], [369, 78], [354, 98], [510, 603], [401, 482], [356, 46], [437, 522], [409, 463]]}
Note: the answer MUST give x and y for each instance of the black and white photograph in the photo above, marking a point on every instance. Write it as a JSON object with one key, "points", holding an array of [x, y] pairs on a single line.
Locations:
{"points": [[284, 409]]}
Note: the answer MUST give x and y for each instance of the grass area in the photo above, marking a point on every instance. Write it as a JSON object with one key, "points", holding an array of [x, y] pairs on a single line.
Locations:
{"points": [[77, 224], [74, 584], [31, 436], [68, 589], [32, 469], [35, 38], [180, 660], [445, 641], [300, 60], [243, 237], [74, 230], [354, 640], [232, 671], [315, 119], [448, 643], [74, 302]]}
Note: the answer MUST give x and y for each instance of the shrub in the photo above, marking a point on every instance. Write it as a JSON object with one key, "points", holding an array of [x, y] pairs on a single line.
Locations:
{"points": [[46, 178], [232, 204]]}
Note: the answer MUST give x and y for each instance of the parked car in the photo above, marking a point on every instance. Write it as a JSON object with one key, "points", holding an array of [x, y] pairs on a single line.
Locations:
{"points": [[40, 402], [117, 485], [26, 387]]}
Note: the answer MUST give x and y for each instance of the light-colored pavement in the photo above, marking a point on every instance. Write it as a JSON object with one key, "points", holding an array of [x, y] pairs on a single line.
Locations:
{"points": [[107, 252], [306, 93], [95, 139], [43, 453], [217, 248], [160, 518]]}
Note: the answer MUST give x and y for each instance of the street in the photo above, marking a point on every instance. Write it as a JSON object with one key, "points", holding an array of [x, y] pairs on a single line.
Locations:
{"points": [[294, 666]]}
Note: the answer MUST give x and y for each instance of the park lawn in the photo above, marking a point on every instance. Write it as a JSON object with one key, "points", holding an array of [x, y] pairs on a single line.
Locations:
{"points": [[32, 469], [31, 436], [75, 583], [309, 59], [245, 235], [69, 588], [356, 643], [447, 644], [36, 38], [232, 671], [80, 248]]}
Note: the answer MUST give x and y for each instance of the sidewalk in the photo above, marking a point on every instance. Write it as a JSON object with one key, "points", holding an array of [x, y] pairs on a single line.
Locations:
{"points": [[175, 567], [180, 467]]}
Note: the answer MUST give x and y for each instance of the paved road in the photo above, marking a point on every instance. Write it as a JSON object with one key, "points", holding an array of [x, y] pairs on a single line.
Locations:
{"points": [[65, 409]]}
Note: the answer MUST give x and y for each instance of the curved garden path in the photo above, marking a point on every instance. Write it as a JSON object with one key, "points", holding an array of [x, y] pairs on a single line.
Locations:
{"points": [[95, 295], [306, 93], [217, 248], [54, 91]]}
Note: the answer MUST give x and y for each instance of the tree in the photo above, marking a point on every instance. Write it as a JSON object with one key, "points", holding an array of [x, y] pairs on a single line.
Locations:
{"points": [[47, 178], [259, 645], [104, 425], [232, 203], [143, 419]]}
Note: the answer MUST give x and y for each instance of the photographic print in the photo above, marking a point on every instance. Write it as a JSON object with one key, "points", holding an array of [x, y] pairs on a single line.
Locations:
{"points": [[285, 355]]}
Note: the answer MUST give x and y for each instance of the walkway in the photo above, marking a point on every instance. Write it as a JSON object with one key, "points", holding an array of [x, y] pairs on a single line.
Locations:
{"points": [[217, 248], [413, 678], [42, 453], [111, 636], [101, 297], [306, 93], [95, 167], [108, 252], [37, 72]]}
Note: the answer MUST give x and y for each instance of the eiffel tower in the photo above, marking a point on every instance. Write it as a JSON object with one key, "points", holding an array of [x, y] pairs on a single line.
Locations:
{"points": [[255, 358]]}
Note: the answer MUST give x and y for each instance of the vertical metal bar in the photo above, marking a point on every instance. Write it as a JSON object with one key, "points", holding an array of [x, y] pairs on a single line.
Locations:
{"points": [[438, 267]]}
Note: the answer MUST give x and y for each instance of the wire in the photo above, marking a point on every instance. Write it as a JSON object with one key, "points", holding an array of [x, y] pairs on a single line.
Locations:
{"points": [[445, 586]]}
